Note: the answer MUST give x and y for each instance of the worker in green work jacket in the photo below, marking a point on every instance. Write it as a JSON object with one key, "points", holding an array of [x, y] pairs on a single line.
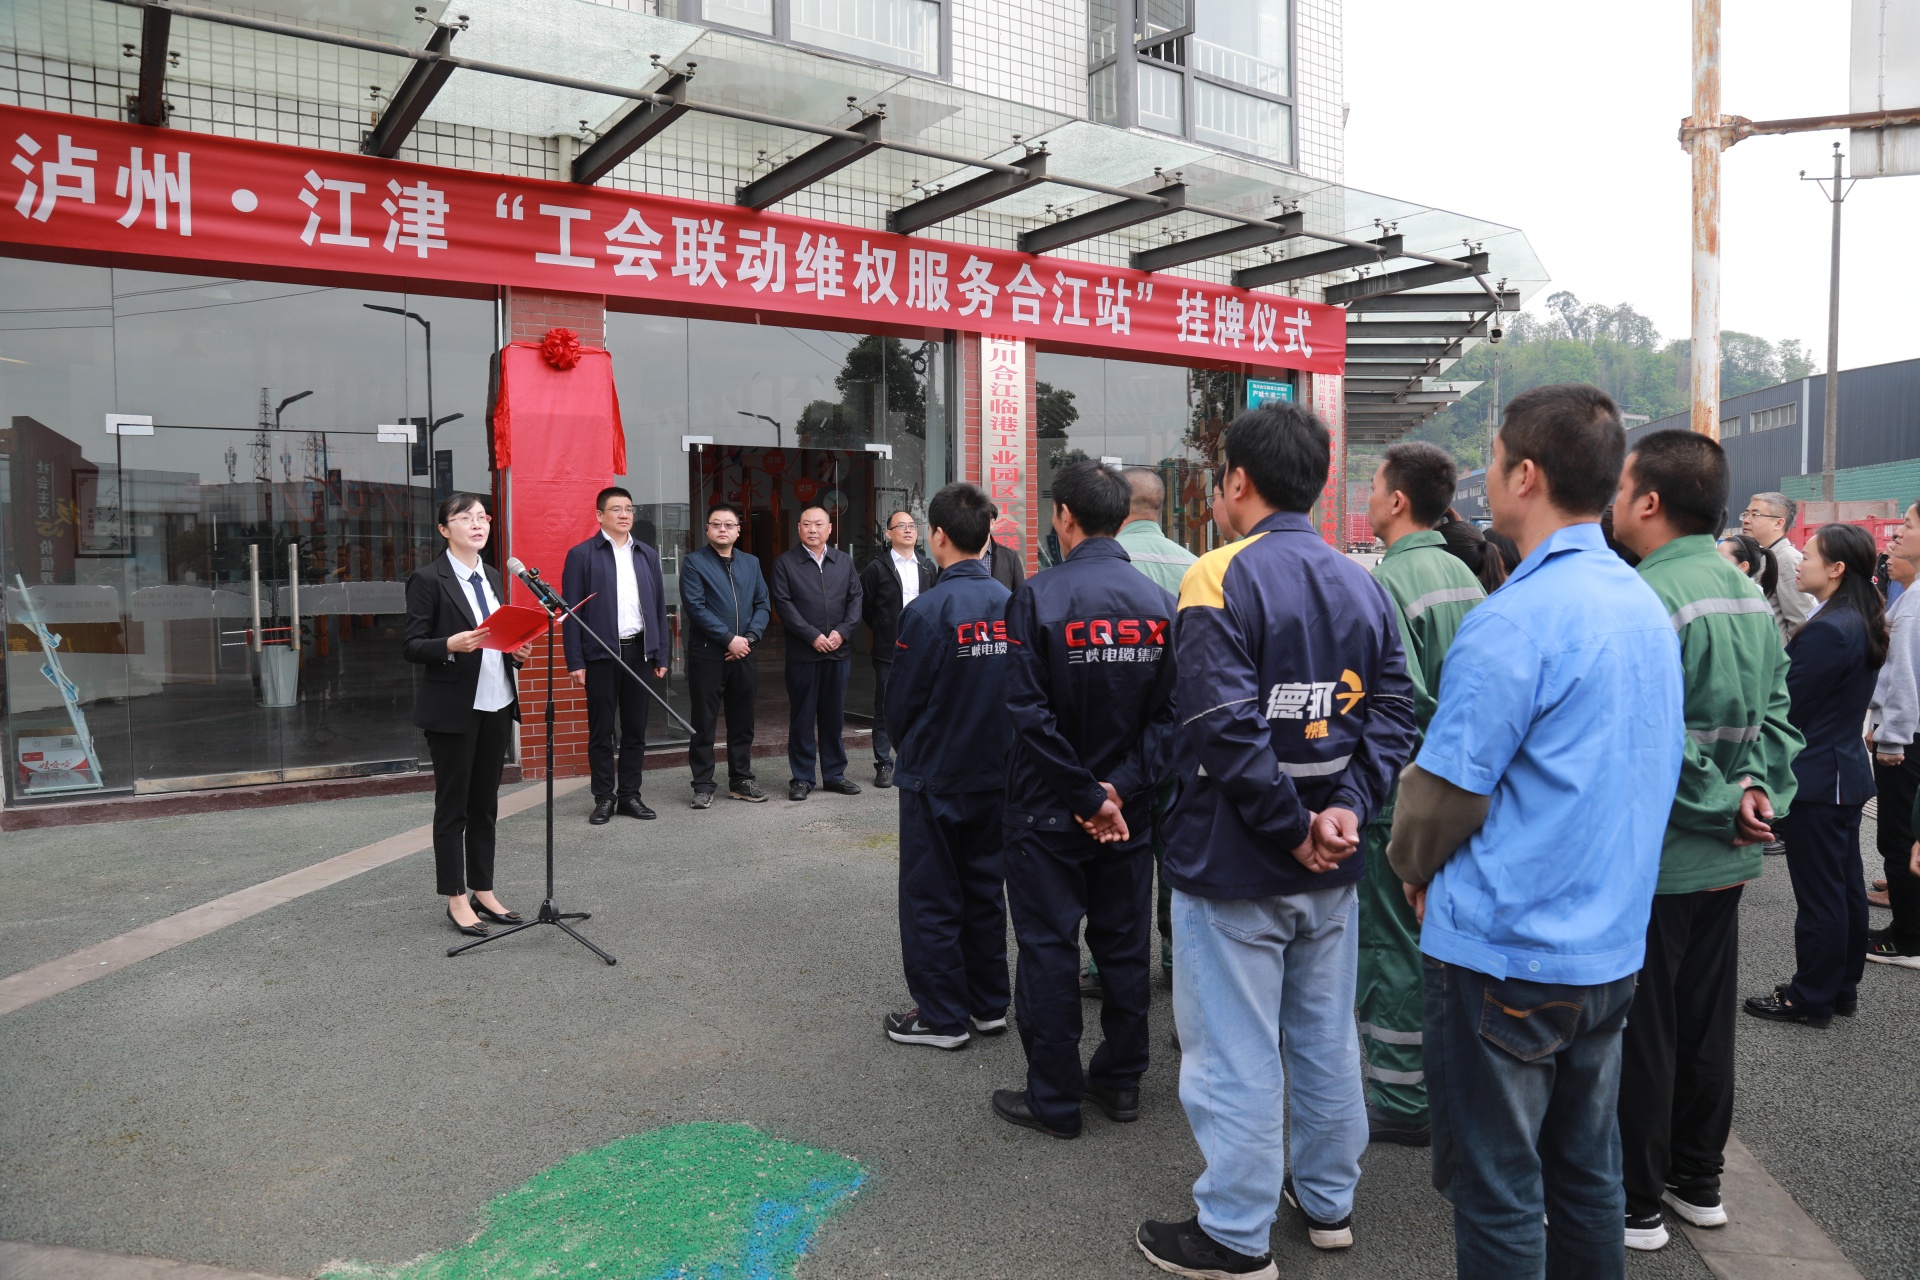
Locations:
{"points": [[1736, 781], [1432, 590]]}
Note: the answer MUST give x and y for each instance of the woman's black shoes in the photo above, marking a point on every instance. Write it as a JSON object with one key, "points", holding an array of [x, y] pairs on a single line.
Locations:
{"points": [[498, 917], [471, 930]]}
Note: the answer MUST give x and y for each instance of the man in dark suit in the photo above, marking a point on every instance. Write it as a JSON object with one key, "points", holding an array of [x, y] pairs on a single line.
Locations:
{"points": [[622, 575], [818, 597], [1003, 562], [891, 581]]}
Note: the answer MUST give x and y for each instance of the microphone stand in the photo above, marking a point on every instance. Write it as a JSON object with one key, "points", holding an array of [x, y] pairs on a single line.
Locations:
{"points": [[550, 913]]}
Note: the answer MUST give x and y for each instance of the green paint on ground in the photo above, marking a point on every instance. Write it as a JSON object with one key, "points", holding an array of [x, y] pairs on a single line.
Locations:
{"points": [[693, 1202]]}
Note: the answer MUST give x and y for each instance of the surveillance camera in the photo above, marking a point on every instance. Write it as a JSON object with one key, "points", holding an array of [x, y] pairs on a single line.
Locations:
{"points": [[1495, 334]]}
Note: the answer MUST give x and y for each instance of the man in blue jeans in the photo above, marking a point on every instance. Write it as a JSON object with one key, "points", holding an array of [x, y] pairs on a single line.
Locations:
{"points": [[1296, 714], [1528, 834]]}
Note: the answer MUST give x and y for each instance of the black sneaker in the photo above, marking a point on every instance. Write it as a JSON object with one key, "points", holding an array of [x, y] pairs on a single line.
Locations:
{"points": [[1774, 848], [749, 791], [703, 799], [1321, 1235], [905, 1027], [1186, 1250], [1699, 1206], [841, 787], [1646, 1233], [1091, 988], [1121, 1105], [1011, 1105], [883, 775], [989, 1026], [1398, 1130], [1882, 948], [798, 790]]}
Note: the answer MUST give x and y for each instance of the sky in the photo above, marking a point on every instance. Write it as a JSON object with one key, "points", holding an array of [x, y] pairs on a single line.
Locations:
{"points": [[1561, 119]]}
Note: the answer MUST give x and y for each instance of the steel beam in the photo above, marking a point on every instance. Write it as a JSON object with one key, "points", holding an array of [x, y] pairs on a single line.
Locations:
{"points": [[1397, 350], [1404, 396], [633, 131], [1218, 243], [1473, 264], [150, 103], [411, 100], [1158, 203], [1313, 264], [810, 166], [1383, 368], [1472, 303], [1361, 330], [969, 195]]}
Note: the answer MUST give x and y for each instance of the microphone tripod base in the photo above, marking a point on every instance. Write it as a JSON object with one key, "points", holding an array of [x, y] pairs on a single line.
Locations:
{"points": [[549, 914]]}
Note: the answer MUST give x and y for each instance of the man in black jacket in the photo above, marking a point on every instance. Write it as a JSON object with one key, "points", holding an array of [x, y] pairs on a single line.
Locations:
{"points": [[1090, 692], [818, 597], [723, 598], [627, 607], [891, 581]]}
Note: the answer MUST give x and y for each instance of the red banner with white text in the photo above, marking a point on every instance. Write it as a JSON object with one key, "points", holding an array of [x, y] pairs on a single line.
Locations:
{"points": [[79, 185]]}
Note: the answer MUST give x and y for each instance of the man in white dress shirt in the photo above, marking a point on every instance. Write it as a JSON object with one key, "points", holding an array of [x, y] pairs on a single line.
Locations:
{"points": [[890, 582]]}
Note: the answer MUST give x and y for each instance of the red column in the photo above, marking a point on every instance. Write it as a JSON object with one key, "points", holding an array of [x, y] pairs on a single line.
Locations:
{"points": [[530, 314]]}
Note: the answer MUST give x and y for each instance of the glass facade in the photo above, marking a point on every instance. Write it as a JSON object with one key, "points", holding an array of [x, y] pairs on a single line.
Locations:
{"points": [[136, 560], [860, 424], [1144, 415]]}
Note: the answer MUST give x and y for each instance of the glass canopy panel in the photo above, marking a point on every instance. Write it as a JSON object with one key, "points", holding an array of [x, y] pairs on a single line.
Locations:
{"points": [[82, 31]]}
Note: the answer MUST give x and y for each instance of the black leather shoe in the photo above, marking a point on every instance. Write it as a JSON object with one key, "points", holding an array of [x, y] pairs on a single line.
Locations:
{"points": [[1843, 1006], [842, 786], [798, 790], [1382, 1127], [1011, 1105], [471, 930], [883, 776], [1121, 1105], [634, 807], [602, 811], [1775, 1007], [498, 917]]}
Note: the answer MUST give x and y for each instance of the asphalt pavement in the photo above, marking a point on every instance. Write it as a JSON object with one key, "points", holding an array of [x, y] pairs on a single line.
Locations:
{"points": [[320, 1083]]}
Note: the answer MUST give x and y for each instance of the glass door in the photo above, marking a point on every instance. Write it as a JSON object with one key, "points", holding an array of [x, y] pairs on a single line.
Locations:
{"points": [[265, 574]]}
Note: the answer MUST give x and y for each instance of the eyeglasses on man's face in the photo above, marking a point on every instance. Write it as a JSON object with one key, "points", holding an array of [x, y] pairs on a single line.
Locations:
{"points": [[721, 526], [620, 510], [1757, 513], [900, 526]]}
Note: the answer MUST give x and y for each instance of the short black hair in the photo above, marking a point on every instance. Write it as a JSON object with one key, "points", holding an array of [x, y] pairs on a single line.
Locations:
{"points": [[1689, 471], [1425, 473], [900, 511], [608, 494], [732, 508], [1572, 432], [1099, 497], [962, 512], [1285, 449], [455, 503]]}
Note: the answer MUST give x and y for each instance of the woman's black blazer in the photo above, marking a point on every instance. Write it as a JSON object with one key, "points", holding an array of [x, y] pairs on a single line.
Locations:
{"points": [[1829, 684], [440, 605]]}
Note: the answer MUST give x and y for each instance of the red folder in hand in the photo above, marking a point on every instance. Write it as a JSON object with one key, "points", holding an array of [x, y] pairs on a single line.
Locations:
{"points": [[512, 625]]}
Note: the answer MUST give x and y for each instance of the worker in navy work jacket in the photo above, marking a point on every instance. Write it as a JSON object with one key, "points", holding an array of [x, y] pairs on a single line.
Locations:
{"points": [[1090, 690], [1296, 715], [947, 705], [627, 607]]}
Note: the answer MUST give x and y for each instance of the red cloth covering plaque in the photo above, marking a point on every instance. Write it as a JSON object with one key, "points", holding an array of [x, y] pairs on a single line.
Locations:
{"points": [[557, 434]]}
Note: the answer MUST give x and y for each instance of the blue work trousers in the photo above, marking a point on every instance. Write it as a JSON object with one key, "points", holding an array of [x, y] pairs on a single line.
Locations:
{"points": [[953, 916]]}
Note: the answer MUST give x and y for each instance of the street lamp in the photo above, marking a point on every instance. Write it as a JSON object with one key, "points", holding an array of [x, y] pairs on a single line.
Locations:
{"points": [[281, 407], [426, 327], [764, 418]]}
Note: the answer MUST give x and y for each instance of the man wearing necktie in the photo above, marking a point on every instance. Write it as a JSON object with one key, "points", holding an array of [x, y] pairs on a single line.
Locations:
{"points": [[614, 581]]}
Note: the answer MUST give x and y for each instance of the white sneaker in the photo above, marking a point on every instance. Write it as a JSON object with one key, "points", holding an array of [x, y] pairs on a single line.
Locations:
{"points": [[1694, 1211], [1321, 1235], [988, 1026]]}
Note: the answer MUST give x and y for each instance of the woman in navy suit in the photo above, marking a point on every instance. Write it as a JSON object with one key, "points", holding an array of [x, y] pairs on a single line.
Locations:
{"points": [[466, 705], [1832, 662]]}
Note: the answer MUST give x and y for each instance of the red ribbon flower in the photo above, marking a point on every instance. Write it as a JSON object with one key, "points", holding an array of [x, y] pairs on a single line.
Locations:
{"points": [[561, 348]]}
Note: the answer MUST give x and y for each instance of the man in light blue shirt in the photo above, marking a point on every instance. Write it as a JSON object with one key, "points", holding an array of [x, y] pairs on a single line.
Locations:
{"points": [[1529, 833]]}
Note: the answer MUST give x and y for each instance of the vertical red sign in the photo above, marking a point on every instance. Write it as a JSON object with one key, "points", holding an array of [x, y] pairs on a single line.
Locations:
{"points": [[1003, 435], [1330, 403]]}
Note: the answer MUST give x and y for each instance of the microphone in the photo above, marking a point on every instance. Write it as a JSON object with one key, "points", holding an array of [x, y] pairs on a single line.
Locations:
{"points": [[545, 594]]}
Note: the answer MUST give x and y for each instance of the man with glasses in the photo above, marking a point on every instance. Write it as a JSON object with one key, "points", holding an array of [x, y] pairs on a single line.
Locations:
{"points": [[617, 577], [1765, 521], [891, 581], [723, 597]]}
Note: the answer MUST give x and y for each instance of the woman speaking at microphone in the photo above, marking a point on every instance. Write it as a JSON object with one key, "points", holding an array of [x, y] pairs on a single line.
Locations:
{"points": [[466, 705]]}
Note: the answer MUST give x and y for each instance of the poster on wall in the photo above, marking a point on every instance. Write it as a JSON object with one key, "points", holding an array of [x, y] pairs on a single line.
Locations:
{"points": [[1004, 436]]}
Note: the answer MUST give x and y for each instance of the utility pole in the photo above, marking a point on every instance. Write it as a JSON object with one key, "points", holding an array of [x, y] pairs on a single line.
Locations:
{"points": [[1830, 427], [1702, 133]]}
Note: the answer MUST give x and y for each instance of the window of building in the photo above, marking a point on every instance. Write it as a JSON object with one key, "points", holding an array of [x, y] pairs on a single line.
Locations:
{"points": [[1730, 427], [1784, 415], [899, 33], [1217, 71]]}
